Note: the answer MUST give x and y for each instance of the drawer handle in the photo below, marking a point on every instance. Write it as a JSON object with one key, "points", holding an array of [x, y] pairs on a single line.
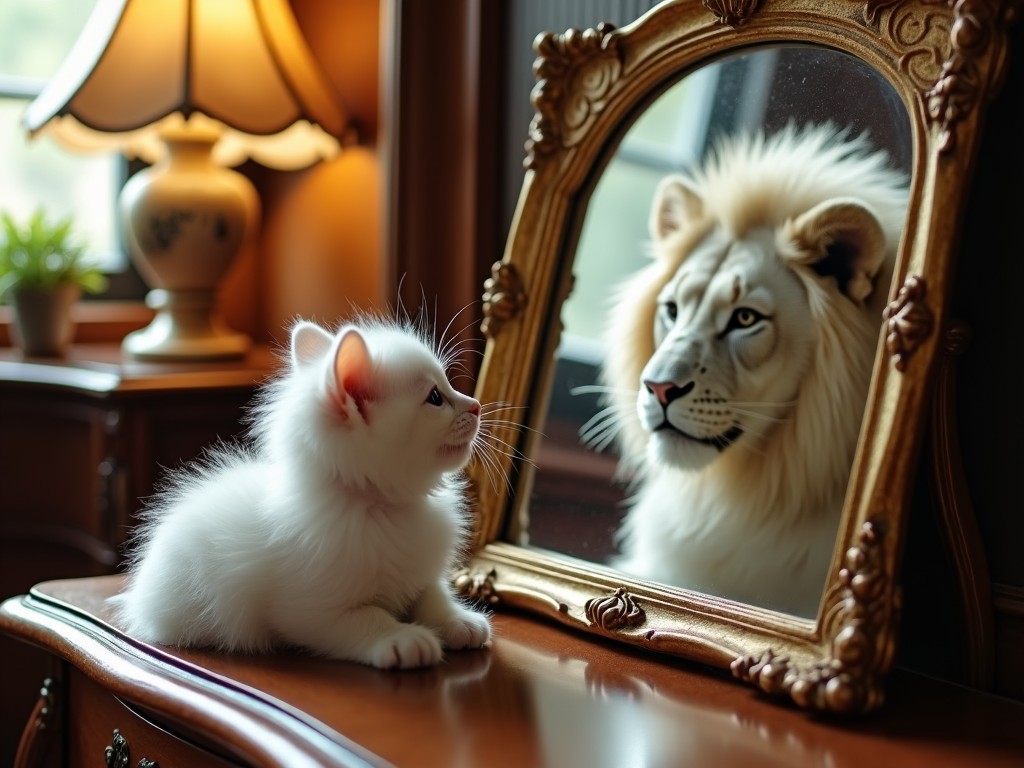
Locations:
{"points": [[41, 729], [118, 755]]}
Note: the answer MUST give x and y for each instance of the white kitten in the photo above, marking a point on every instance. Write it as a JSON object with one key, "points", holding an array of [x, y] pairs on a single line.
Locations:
{"points": [[337, 530]]}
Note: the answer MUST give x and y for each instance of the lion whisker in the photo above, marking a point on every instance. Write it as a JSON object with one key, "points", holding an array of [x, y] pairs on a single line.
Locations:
{"points": [[762, 416], [603, 418], [764, 403], [600, 389]]}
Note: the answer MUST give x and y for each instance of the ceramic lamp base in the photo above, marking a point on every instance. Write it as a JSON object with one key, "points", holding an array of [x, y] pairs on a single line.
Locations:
{"points": [[185, 329], [186, 218]]}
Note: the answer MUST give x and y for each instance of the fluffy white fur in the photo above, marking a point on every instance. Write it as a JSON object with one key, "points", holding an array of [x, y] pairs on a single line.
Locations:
{"points": [[753, 331], [335, 532]]}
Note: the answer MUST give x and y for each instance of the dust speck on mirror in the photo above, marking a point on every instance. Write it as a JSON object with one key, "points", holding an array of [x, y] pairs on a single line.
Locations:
{"points": [[717, 346]]}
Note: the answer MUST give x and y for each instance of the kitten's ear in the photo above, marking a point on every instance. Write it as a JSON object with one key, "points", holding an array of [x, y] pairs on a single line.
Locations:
{"points": [[310, 343], [353, 369]]}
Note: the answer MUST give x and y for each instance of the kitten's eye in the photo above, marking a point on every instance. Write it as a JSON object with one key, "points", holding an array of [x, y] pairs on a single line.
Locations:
{"points": [[434, 398], [743, 317], [671, 310]]}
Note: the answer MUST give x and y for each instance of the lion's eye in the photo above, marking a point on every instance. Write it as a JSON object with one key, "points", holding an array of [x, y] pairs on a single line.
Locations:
{"points": [[671, 310], [743, 317], [434, 398]]}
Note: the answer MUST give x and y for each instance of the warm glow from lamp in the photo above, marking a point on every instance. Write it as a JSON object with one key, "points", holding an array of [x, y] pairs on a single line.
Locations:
{"points": [[192, 86]]}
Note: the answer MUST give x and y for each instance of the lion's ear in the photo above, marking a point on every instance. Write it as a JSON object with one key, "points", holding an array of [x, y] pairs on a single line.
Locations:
{"points": [[843, 239], [675, 203]]}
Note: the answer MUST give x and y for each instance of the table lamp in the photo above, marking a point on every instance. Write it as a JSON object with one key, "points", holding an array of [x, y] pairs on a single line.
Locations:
{"points": [[192, 87]]}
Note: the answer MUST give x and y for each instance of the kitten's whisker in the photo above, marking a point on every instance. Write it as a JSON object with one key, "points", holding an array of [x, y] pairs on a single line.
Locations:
{"points": [[491, 465], [491, 454], [488, 409], [401, 314], [458, 358], [495, 441], [512, 454], [424, 305], [441, 346], [508, 424], [513, 426], [461, 347], [513, 457], [453, 319], [459, 368], [452, 358]]}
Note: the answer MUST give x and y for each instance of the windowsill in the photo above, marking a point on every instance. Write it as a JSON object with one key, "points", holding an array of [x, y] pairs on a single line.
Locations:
{"points": [[95, 321]]}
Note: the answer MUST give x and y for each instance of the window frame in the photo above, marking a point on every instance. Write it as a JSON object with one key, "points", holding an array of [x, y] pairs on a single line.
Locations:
{"points": [[124, 283]]}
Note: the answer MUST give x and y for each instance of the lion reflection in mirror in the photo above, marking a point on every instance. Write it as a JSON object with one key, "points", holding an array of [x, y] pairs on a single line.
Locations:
{"points": [[740, 359]]}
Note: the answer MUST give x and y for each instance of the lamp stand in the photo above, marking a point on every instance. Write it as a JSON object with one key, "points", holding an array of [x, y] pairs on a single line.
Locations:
{"points": [[185, 219]]}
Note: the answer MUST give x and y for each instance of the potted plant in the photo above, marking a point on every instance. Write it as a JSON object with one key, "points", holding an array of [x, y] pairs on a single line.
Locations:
{"points": [[43, 271]]}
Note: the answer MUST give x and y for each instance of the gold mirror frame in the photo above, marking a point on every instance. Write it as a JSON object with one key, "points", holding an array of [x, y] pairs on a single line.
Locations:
{"points": [[944, 59]]}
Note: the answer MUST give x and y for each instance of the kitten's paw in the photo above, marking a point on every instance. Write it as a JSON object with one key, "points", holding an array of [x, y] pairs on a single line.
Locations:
{"points": [[468, 629], [411, 646]]}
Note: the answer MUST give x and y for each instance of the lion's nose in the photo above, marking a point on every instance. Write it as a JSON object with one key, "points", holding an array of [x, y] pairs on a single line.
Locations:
{"points": [[667, 391]]}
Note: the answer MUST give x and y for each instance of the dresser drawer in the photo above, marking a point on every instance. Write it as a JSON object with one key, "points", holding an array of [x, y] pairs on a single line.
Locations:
{"points": [[98, 721]]}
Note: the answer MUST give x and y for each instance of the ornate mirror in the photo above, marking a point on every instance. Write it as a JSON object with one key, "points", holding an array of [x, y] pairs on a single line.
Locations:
{"points": [[718, 312]]}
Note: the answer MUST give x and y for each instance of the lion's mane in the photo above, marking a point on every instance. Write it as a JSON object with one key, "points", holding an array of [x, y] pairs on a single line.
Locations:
{"points": [[754, 504]]}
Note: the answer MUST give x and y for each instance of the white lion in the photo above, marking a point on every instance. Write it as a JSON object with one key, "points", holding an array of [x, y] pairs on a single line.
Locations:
{"points": [[739, 362]]}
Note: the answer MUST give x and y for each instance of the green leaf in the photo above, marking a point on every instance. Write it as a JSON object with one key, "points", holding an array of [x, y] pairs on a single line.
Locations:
{"points": [[43, 254]]}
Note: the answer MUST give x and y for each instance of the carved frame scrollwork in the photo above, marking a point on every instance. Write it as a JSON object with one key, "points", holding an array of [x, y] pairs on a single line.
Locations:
{"points": [[908, 321], [944, 59], [860, 648], [503, 299]]}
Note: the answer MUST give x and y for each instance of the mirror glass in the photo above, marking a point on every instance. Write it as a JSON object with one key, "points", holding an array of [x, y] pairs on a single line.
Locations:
{"points": [[580, 493]]}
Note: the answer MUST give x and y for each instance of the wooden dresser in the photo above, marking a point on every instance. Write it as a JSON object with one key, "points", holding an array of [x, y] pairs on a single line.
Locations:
{"points": [[83, 439], [541, 696]]}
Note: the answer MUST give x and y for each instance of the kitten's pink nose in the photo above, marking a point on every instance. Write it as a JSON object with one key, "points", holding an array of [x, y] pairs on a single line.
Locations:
{"points": [[475, 409]]}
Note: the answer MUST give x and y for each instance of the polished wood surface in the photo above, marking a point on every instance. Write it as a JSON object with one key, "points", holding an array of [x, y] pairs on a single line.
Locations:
{"points": [[539, 696], [102, 369]]}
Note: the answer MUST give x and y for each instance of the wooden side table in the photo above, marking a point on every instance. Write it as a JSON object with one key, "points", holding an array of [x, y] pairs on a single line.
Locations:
{"points": [[82, 440], [541, 696]]}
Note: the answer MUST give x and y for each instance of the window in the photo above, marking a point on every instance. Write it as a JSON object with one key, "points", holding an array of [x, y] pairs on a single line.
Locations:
{"points": [[35, 36], [670, 136]]}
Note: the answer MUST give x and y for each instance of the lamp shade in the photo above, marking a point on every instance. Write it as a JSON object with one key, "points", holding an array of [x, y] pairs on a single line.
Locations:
{"points": [[238, 71]]}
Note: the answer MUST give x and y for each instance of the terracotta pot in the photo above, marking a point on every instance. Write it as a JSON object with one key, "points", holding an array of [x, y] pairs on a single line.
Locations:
{"points": [[42, 319]]}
